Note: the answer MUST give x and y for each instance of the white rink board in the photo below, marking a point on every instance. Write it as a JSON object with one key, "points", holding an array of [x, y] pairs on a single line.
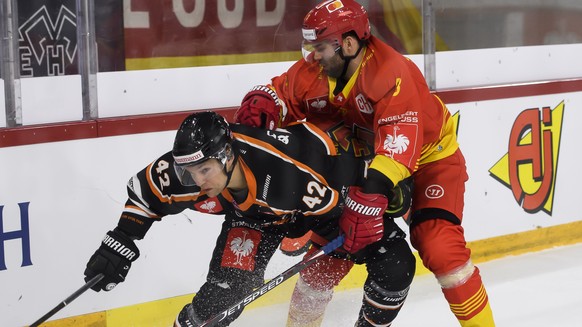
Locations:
{"points": [[76, 191], [484, 132]]}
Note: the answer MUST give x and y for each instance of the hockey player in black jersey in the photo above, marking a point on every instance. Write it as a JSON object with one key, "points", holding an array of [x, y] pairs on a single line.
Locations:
{"points": [[268, 185]]}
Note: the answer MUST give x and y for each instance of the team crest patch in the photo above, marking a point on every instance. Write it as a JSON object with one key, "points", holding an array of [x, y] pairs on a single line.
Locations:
{"points": [[363, 104], [318, 105], [396, 144], [210, 205], [398, 141], [241, 248]]}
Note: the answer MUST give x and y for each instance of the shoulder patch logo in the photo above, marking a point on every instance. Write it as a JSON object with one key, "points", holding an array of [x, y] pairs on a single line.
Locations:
{"points": [[363, 104], [396, 143]]}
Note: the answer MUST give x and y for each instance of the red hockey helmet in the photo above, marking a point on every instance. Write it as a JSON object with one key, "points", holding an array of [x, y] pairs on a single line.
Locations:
{"points": [[329, 20], [332, 18]]}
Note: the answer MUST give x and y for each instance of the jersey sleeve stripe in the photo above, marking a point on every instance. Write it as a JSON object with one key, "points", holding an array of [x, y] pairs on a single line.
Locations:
{"points": [[266, 147], [330, 205], [321, 135], [140, 211], [273, 151], [167, 198]]}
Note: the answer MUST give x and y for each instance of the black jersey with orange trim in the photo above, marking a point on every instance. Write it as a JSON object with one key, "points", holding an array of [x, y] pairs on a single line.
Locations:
{"points": [[156, 191], [291, 173]]}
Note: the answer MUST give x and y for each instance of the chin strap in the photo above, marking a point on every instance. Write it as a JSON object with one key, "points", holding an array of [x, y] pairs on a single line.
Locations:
{"points": [[341, 81], [229, 173], [347, 59]]}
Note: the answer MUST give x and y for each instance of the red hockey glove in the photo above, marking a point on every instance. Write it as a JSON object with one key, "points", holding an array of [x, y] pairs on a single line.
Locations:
{"points": [[362, 221], [259, 108]]}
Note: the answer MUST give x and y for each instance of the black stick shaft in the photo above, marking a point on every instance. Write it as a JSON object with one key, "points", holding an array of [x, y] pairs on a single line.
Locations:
{"points": [[68, 300], [276, 281]]}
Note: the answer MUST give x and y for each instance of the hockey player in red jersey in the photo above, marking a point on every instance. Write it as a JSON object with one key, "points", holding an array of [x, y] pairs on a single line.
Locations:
{"points": [[349, 77], [269, 185]]}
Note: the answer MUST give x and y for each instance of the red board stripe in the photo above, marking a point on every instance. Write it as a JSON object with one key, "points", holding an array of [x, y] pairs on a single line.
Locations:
{"points": [[509, 91], [34, 134], [55, 132]]}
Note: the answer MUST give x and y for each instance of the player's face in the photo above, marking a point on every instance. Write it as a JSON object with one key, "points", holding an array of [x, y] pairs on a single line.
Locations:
{"points": [[209, 176], [327, 55]]}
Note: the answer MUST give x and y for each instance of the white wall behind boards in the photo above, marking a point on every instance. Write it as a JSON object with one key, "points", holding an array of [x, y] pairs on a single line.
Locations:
{"points": [[54, 99], [506, 66], [75, 192]]}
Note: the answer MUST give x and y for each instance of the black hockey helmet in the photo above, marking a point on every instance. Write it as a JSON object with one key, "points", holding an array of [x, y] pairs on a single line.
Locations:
{"points": [[202, 135]]}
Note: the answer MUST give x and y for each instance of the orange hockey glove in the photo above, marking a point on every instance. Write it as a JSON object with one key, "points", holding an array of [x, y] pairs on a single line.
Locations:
{"points": [[259, 108], [362, 221]]}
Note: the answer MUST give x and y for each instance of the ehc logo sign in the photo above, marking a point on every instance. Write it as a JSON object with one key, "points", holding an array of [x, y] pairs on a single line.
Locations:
{"points": [[48, 40], [530, 165]]}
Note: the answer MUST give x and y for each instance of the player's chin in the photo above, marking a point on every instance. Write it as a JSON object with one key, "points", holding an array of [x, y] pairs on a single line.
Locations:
{"points": [[211, 192], [332, 72]]}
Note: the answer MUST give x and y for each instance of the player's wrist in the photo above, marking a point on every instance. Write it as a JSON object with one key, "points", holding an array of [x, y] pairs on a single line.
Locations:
{"points": [[134, 227], [377, 183]]}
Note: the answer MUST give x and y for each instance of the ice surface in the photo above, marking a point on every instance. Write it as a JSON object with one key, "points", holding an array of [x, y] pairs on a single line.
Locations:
{"points": [[537, 289]]}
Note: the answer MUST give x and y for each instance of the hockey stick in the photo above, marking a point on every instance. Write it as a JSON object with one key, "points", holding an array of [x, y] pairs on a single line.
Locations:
{"points": [[68, 300], [276, 281]]}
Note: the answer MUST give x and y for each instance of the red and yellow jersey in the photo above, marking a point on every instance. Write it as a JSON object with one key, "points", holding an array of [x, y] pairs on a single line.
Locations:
{"points": [[386, 102]]}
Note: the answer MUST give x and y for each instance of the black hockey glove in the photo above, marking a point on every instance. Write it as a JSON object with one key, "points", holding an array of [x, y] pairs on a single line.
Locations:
{"points": [[113, 259], [400, 198]]}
